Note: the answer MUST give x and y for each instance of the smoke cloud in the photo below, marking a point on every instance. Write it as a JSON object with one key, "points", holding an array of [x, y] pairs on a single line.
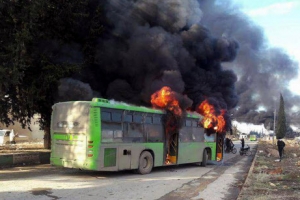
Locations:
{"points": [[202, 49], [263, 72]]}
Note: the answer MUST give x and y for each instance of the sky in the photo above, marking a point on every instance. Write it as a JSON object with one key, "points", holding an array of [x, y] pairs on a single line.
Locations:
{"points": [[280, 20]]}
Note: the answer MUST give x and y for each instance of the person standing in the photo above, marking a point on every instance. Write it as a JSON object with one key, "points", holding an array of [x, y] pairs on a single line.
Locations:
{"points": [[243, 143], [280, 145], [227, 145]]}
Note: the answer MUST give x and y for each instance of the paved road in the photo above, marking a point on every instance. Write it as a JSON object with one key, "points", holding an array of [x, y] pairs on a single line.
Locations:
{"points": [[216, 181]]}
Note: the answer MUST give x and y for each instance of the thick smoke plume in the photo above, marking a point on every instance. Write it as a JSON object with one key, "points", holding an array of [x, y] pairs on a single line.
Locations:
{"points": [[151, 44], [263, 72], [148, 44]]}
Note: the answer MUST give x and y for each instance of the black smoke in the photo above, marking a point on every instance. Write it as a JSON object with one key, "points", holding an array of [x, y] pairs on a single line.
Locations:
{"points": [[148, 44], [190, 46], [263, 72]]}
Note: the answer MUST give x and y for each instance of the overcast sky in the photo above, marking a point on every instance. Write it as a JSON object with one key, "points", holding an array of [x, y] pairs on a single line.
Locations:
{"points": [[280, 20]]}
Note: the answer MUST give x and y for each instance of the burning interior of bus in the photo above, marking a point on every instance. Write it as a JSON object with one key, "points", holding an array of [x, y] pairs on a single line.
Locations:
{"points": [[212, 121]]}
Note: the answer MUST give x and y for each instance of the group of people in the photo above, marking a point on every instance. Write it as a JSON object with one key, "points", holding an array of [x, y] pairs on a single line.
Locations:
{"points": [[229, 145]]}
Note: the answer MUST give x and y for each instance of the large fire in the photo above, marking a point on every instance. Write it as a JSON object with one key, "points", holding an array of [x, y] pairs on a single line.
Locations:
{"points": [[165, 99], [211, 120]]}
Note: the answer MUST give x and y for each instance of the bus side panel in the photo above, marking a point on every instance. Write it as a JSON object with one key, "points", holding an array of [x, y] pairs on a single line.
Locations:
{"points": [[126, 160], [93, 140], [116, 157], [108, 157], [212, 146], [111, 157], [190, 152]]}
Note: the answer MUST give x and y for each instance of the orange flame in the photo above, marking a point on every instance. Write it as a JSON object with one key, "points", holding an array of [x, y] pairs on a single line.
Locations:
{"points": [[165, 99], [210, 120]]}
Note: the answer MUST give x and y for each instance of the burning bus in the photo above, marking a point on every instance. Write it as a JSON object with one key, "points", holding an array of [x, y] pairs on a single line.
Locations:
{"points": [[106, 135]]}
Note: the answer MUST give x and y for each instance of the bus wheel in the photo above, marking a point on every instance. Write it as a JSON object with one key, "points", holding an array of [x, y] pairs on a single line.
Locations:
{"points": [[204, 159], [145, 163]]}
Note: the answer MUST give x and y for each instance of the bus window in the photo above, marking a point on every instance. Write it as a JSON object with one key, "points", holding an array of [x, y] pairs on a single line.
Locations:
{"points": [[148, 120], [111, 131], [128, 118], [210, 138], [153, 128], [156, 119], [194, 123], [107, 135], [133, 129], [137, 118], [155, 133], [185, 135], [105, 116], [116, 116], [198, 134], [188, 122], [118, 134]]}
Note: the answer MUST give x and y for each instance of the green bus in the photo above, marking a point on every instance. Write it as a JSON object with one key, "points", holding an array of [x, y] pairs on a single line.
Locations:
{"points": [[105, 135], [253, 138]]}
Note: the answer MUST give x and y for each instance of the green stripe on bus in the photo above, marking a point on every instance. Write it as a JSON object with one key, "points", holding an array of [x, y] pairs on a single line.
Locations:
{"points": [[65, 136]]}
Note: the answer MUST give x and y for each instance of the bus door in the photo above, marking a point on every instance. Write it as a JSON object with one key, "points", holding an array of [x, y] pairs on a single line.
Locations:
{"points": [[124, 157], [191, 138], [171, 147], [220, 144]]}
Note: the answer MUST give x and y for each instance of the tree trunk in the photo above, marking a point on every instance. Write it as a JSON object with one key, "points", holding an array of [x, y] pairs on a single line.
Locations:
{"points": [[47, 138]]}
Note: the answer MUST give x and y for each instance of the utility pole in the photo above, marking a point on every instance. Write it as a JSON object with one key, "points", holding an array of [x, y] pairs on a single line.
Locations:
{"points": [[274, 125]]}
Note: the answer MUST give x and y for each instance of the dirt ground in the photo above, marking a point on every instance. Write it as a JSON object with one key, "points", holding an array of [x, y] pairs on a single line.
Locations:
{"points": [[270, 179]]}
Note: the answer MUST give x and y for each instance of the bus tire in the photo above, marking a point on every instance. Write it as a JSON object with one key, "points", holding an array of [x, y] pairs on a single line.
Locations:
{"points": [[145, 163], [204, 159]]}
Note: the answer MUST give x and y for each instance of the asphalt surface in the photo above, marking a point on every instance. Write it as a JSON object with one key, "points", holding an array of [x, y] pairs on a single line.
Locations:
{"points": [[217, 181], [224, 181]]}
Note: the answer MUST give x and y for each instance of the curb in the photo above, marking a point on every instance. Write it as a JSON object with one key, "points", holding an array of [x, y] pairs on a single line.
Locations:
{"points": [[247, 179], [9, 160]]}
